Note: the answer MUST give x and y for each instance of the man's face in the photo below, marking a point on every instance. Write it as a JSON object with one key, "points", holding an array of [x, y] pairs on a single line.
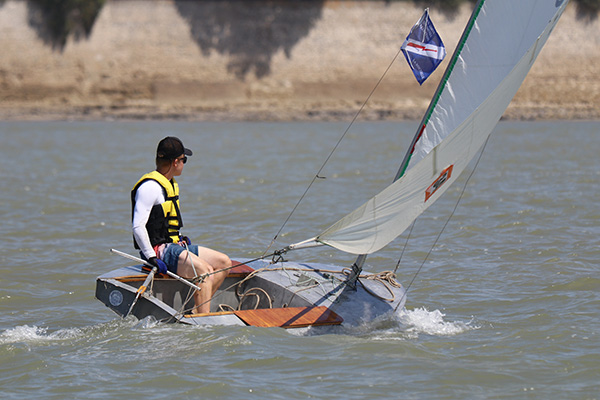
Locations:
{"points": [[178, 165]]}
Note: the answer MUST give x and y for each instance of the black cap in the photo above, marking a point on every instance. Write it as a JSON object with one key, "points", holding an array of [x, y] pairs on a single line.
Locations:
{"points": [[170, 148]]}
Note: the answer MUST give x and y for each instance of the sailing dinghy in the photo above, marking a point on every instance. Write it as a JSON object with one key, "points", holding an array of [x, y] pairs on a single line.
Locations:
{"points": [[498, 47]]}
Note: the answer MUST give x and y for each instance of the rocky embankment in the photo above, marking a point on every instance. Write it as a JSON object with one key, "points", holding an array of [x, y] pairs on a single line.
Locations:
{"points": [[220, 60]]}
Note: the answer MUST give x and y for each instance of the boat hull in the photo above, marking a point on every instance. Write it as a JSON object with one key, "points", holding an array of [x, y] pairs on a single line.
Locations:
{"points": [[284, 294]]}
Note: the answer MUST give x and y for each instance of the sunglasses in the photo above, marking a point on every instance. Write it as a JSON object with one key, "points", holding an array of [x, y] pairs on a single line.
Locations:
{"points": [[183, 159]]}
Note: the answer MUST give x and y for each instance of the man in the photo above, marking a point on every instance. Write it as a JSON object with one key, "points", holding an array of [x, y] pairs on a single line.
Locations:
{"points": [[157, 221]]}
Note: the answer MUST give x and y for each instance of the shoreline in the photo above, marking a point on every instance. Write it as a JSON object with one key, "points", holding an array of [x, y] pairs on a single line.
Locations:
{"points": [[269, 114], [164, 60]]}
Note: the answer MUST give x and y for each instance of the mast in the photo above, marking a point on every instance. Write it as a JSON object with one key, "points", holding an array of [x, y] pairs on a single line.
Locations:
{"points": [[356, 270]]}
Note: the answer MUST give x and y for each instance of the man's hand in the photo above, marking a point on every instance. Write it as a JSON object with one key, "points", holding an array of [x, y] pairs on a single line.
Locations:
{"points": [[160, 264]]}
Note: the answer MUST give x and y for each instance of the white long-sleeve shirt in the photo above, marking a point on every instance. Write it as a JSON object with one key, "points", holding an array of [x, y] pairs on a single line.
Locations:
{"points": [[149, 194]]}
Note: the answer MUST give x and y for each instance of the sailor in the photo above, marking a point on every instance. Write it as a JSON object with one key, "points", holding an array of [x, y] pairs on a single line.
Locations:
{"points": [[157, 222]]}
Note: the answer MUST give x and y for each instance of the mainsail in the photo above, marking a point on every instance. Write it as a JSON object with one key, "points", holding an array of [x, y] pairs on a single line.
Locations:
{"points": [[498, 47]]}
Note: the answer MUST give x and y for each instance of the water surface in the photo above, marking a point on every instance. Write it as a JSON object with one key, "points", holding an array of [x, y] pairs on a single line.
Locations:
{"points": [[506, 305]]}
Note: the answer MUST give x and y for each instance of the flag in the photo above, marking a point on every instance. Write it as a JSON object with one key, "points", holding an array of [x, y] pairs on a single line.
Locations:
{"points": [[423, 48]]}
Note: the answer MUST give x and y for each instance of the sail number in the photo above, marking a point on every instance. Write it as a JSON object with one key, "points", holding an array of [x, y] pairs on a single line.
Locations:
{"points": [[443, 178]]}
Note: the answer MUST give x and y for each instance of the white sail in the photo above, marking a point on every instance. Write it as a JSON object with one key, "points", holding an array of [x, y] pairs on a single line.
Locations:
{"points": [[495, 53]]}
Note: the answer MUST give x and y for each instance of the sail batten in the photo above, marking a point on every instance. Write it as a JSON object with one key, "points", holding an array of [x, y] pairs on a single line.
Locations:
{"points": [[500, 43]]}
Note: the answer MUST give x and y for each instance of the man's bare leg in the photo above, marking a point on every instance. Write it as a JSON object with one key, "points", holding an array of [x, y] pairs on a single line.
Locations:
{"points": [[207, 261]]}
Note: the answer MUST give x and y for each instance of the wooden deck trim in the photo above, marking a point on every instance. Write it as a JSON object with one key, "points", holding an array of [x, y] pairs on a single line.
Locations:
{"points": [[212, 314], [289, 317], [137, 278], [240, 271], [130, 278]]}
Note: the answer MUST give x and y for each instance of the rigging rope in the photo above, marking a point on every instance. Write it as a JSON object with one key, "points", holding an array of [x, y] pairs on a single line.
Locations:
{"points": [[405, 245], [318, 174], [444, 226], [385, 278]]}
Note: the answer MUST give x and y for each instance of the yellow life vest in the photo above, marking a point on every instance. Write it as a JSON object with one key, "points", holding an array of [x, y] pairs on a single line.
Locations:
{"points": [[165, 220]]}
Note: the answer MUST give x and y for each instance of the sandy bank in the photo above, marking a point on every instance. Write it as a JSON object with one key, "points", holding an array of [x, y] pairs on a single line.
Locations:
{"points": [[219, 60]]}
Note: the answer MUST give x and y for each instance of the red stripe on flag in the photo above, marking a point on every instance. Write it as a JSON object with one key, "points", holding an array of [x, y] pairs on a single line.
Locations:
{"points": [[423, 48]]}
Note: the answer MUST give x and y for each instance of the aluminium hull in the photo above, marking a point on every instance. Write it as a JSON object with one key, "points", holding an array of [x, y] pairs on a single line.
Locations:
{"points": [[285, 294]]}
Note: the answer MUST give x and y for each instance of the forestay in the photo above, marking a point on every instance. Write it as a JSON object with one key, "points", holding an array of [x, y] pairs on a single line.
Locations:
{"points": [[497, 49]]}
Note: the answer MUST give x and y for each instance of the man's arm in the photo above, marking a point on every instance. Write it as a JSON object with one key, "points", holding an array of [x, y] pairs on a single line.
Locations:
{"points": [[147, 196]]}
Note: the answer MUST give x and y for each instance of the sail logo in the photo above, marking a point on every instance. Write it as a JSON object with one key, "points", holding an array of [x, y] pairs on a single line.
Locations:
{"points": [[443, 178]]}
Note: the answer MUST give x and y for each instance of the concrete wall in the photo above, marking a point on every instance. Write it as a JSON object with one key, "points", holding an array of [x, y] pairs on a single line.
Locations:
{"points": [[261, 60]]}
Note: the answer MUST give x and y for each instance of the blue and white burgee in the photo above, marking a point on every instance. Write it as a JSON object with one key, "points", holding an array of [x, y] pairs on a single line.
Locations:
{"points": [[423, 48]]}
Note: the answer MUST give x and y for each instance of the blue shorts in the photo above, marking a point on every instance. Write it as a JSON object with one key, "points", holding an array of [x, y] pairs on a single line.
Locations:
{"points": [[172, 252]]}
